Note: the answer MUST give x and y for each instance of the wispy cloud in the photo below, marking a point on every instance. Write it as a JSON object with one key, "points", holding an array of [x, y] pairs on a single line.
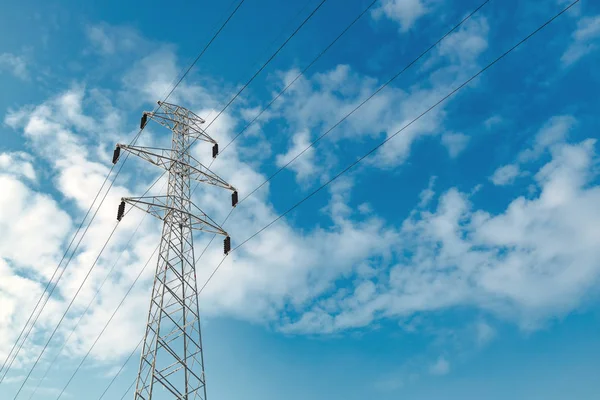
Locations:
{"points": [[14, 64], [440, 367], [583, 40], [505, 175], [405, 12]]}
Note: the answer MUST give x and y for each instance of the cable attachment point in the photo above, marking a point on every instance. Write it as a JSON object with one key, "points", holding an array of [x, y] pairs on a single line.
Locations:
{"points": [[227, 245], [215, 150], [234, 198], [121, 211], [116, 154]]}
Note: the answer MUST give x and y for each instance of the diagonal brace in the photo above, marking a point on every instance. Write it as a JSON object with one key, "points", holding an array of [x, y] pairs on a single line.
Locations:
{"points": [[163, 158], [157, 207], [164, 116]]}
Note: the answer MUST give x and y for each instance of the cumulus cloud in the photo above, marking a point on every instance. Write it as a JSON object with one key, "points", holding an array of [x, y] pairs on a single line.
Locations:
{"points": [[533, 261], [57, 131], [33, 226], [317, 103], [493, 121], [282, 267], [18, 164]]}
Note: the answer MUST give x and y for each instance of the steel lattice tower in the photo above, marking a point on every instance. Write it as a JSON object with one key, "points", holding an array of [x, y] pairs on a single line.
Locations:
{"points": [[172, 355]]}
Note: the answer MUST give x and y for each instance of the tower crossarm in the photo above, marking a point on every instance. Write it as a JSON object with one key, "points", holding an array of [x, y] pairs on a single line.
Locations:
{"points": [[158, 207], [163, 158], [168, 115]]}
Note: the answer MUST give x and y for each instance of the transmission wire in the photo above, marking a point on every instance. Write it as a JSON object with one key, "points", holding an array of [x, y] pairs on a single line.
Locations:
{"points": [[91, 206], [125, 248], [443, 99], [107, 323], [54, 274], [346, 116], [297, 77]]}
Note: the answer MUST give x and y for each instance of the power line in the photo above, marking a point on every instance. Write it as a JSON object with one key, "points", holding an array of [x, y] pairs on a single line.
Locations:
{"points": [[58, 280], [352, 23], [443, 99], [65, 313], [268, 61], [205, 48], [126, 247], [260, 70], [107, 323], [367, 99], [302, 72], [121, 370], [345, 116], [77, 293], [128, 389], [87, 213], [374, 149], [54, 274]]}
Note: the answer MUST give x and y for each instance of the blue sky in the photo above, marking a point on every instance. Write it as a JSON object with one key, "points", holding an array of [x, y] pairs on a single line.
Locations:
{"points": [[460, 261]]}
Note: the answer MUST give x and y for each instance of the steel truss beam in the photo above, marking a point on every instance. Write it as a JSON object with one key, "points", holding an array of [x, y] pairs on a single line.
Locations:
{"points": [[158, 206], [165, 159], [165, 116]]}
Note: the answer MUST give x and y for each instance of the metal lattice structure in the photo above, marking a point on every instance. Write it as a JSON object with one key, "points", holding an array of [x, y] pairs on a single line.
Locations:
{"points": [[172, 356]]}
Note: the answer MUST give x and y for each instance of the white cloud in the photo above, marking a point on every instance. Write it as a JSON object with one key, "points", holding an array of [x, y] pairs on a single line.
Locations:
{"points": [[18, 164], [34, 216], [460, 255], [282, 267], [455, 143], [465, 45], [405, 12], [427, 195], [303, 166], [458, 55], [505, 175], [33, 227], [318, 102], [440, 367], [533, 261], [493, 121], [583, 40], [108, 40], [554, 131], [484, 333], [57, 131], [14, 64]]}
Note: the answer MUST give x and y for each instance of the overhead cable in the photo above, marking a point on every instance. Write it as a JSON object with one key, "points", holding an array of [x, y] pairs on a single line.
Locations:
{"points": [[378, 146], [17, 347]]}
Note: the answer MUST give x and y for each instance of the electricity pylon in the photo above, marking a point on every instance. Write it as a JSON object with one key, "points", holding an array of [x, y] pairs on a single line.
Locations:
{"points": [[172, 355]]}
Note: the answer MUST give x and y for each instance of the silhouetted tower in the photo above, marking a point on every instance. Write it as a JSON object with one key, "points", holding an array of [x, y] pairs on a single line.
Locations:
{"points": [[172, 355]]}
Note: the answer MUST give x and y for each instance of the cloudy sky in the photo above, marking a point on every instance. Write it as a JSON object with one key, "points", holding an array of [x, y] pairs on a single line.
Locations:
{"points": [[460, 260]]}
